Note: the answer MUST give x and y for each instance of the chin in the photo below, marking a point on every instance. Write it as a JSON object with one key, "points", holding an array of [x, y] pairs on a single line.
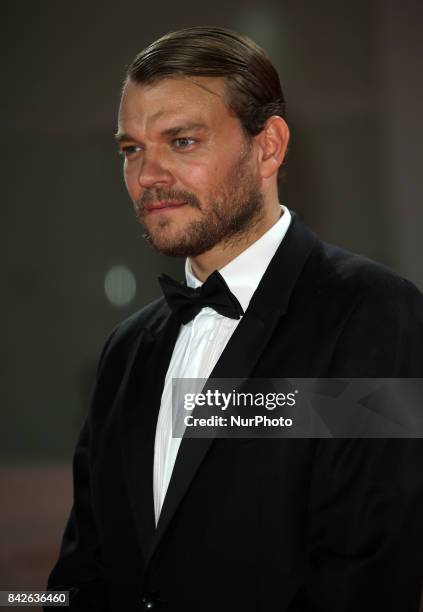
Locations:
{"points": [[170, 247], [176, 248]]}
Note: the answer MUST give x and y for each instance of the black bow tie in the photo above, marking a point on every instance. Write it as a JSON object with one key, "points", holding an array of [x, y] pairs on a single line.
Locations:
{"points": [[187, 302]]}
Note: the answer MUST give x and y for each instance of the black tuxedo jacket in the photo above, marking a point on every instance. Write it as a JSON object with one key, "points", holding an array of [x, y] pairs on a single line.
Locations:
{"points": [[280, 525]]}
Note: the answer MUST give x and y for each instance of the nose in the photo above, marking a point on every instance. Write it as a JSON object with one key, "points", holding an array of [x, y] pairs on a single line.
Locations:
{"points": [[153, 172]]}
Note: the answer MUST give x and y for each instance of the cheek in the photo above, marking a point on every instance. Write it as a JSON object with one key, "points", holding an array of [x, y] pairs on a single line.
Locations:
{"points": [[202, 179], [131, 181]]}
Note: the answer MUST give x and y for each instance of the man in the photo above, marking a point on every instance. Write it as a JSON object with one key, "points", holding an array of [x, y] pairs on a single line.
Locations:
{"points": [[293, 525]]}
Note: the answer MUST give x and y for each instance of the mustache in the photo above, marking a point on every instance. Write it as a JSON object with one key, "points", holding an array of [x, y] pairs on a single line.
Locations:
{"points": [[165, 195]]}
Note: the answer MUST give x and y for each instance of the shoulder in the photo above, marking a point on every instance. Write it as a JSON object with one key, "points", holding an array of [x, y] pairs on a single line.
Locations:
{"points": [[150, 316], [348, 270], [118, 353], [346, 277], [381, 314], [123, 337], [339, 276]]}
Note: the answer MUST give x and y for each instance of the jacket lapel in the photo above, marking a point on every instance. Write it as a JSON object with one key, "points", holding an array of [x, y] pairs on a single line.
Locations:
{"points": [[140, 403], [268, 305]]}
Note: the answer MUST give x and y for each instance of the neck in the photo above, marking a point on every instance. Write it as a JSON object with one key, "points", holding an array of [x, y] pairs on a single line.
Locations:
{"points": [[221, 254]]}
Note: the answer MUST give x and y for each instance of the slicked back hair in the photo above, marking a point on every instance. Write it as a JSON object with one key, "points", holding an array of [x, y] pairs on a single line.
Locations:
{"points": [[253, 89]]}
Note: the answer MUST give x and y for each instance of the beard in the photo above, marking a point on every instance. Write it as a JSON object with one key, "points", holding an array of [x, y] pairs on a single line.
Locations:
{"points": [[231, 212]]}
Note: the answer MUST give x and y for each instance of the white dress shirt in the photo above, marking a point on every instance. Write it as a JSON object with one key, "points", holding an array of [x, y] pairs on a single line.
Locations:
{"points": [[201, 342]]}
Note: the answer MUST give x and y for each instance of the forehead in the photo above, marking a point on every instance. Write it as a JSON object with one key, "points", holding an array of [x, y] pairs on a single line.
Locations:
{"points": [[153, 104]]}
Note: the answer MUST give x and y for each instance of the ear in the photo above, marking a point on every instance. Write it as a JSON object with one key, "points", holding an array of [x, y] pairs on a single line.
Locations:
{"points": [[273, 142]]}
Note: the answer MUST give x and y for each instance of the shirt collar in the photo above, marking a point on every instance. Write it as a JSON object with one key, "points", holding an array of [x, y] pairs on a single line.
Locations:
{"points": [[244, 273]]}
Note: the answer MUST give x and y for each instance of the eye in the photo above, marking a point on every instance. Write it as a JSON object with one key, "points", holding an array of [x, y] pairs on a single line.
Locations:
{"points": [[130, 151], [183, 143]]}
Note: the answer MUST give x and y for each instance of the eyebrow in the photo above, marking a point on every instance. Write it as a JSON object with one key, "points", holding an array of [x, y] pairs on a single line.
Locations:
{"points": [[173, 131], [122, 136]]}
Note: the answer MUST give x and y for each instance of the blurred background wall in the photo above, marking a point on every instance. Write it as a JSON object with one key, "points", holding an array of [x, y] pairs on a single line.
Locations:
{"points": [[75, 262]]}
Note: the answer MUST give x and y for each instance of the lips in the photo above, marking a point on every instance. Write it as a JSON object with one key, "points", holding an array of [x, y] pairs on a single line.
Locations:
{"points": [[169, 205]]}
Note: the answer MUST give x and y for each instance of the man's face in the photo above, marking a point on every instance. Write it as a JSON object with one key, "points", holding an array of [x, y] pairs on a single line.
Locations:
{"points": [[189, 167]]}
